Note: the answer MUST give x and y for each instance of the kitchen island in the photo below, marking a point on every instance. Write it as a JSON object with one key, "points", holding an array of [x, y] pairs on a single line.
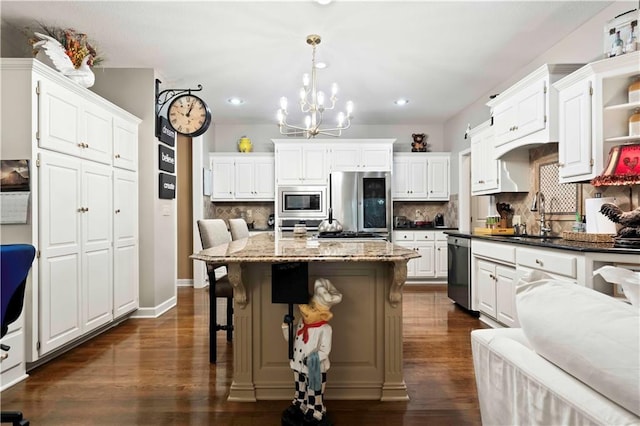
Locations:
{"points": [[366, 356]]}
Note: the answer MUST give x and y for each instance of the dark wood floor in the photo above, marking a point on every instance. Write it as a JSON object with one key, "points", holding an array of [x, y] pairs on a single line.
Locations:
{"points": [[156, 372]]}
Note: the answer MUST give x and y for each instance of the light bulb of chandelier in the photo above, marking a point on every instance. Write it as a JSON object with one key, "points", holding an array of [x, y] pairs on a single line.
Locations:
{"points": [[349, 108], [320, 98], [303, 93], [305, 80], [307, 122], [280, 117], [334, 90], [283, 103], [340, 119]]}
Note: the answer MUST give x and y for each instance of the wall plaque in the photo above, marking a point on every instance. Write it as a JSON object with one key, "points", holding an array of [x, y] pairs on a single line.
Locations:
{"points": [[166, 132], [167, 186], [166, 159]]}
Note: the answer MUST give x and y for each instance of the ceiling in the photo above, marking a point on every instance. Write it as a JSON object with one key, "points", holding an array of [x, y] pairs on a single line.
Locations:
{"points": [[442, 56]]}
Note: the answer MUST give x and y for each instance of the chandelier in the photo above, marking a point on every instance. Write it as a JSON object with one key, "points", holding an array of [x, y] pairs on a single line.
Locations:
{"points": [[313, 103]]}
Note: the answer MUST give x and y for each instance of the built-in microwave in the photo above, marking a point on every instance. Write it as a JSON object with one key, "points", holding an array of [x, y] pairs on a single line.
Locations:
{"points": [[302, 202]]}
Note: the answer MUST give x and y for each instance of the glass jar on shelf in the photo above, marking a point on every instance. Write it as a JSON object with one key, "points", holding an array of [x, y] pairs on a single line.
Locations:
{"points": [[634, 90]]}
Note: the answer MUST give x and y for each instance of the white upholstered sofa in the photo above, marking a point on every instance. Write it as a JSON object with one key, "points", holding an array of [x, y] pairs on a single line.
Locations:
{"points": [[575, 361]]}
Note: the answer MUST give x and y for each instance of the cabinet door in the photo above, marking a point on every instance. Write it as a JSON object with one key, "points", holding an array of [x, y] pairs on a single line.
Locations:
{"points": [[264, 179], [504, 117], [289, 167], [486, 286], [438, 178], [400, 178], [345, 158], [441, 259], [97, 130], [314, 160], [426, 265], [484, 168], [97, 237], [59, 117], [506, 296], [418, 179], [125, 242], [244, 178], [575, 144], [223, 171], [530, 109], [60, 215], [375, 158], [125, 144]]}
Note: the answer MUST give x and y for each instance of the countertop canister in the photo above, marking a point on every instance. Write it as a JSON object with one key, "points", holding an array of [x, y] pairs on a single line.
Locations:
{"points": [[634, 90], [634, 123]]}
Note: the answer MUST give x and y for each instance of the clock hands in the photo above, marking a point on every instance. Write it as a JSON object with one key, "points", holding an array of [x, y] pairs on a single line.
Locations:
{"points": [[193, 101]]}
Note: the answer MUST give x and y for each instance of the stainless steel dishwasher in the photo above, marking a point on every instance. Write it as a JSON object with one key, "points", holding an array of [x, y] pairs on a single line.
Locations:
{"points": [[459, 270]]}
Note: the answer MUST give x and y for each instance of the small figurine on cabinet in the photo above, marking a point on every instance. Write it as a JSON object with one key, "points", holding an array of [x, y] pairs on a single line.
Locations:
{"points": [[419, 143], [310, 361]]}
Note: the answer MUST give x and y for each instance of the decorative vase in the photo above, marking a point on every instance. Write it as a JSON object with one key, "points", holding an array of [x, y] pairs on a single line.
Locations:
{"points": [[244, 144], [84, 76]]}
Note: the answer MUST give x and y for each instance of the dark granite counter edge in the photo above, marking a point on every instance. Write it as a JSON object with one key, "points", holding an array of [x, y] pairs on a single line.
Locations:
{"points": [[560, 244]]}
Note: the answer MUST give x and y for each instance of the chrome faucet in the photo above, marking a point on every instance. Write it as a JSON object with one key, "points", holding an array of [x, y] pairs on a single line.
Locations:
{"points": [[538, 204]]}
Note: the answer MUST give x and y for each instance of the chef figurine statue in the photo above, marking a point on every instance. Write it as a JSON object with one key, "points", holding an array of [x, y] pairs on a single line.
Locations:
{"points": [[310, 362]]}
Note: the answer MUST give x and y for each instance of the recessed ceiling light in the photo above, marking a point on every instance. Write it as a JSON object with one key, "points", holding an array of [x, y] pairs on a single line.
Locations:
{"points": [[401, 101], [235, 101], [323, 2], [321, 65]]}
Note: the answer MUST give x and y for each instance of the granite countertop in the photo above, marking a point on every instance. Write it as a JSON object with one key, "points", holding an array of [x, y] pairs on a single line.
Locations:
{"points": [[266, 248], [554, 243]]}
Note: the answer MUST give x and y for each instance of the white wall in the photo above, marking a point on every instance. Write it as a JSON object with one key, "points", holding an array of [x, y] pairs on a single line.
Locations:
{"points": [[584, 45]]}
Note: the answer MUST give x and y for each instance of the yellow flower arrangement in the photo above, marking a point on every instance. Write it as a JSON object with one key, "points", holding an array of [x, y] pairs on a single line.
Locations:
{"points": [[75, 44]]}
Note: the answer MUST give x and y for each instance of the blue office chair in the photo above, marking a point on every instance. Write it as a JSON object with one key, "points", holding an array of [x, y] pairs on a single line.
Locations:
{"points": [[15, 262]]}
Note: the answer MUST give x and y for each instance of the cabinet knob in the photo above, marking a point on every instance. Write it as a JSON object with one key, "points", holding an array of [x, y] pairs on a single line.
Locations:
{"points": [[117, 211], [117, 155], [539, 262]]}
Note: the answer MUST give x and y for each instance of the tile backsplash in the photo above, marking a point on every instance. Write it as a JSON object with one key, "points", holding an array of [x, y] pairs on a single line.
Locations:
{"points": [[256, 212]]}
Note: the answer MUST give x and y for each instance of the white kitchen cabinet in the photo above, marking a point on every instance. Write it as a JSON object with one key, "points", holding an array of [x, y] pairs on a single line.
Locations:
{"points": [[125, 144], [125, 242], [70, 124], [75, 248], [421, 176], [593, 115], [490, 175], [432, 247], [527, 112], [438, 178], [79, 146], [494, 281], [361, 155], [242, 177], [566, 266], [223, 170], [300, 163]]}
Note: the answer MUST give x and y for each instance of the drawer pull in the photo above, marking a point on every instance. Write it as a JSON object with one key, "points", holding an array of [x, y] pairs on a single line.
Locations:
{"points": [[539, 262]]}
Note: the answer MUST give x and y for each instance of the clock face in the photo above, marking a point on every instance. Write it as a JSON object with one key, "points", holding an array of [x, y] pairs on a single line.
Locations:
{"points": [[189, 115]]}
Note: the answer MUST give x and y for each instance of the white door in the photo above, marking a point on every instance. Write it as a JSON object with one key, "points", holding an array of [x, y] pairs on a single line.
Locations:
{"points": [[244, 178], [314, 159], [417, 179], [264, 179], [506, 296], [425, 265], [530, 113], [438, 178], [504, 118], [59, 118], [223, 172], [125, 144], [400, 178], [441, 259], [125, 242], [97, 237], [574, 146], [97, 127], [60, 250], [289, 167], [376, 158], [486, 286], [345, 158]]}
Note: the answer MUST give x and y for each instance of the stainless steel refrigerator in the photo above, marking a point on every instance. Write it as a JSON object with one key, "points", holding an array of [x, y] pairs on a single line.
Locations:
{"points": [[361, 201]]}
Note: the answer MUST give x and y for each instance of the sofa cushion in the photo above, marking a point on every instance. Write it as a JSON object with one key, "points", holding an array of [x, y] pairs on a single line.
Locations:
{"points": [[590, 335]]}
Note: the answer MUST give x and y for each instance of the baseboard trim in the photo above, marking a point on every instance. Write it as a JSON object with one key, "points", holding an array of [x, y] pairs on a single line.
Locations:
{"points": [[156, 311], [186, 282]]}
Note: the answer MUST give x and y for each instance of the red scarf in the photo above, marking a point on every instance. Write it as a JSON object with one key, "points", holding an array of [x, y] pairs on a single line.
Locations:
{"points": [[305, 329]]}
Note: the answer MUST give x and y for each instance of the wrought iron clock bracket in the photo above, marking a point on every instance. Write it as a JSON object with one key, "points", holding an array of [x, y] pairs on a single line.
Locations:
{"points": [[165, 96]]}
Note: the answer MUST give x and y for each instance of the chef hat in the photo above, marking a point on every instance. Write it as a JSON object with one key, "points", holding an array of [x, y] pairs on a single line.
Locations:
{"points": [[325, 295]]}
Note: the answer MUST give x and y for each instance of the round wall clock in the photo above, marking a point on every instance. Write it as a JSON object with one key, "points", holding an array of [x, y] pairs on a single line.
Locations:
{"points": [[189, 115]]}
